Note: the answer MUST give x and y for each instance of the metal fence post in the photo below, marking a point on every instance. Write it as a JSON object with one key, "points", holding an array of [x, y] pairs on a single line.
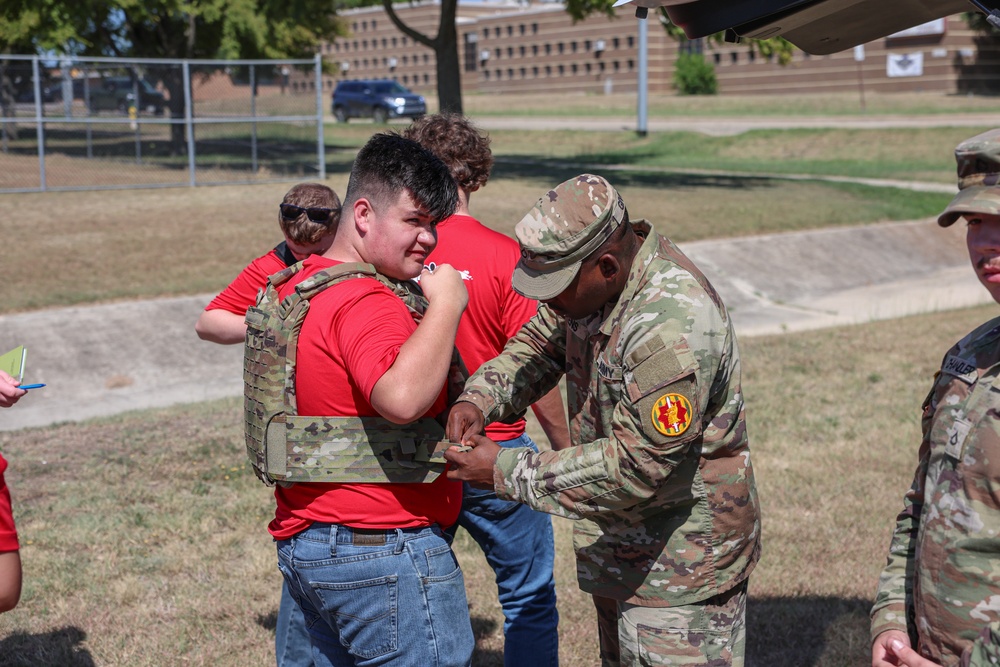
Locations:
{"points": [[39, 122], [188, 121], [253, 124], [320, 142]]}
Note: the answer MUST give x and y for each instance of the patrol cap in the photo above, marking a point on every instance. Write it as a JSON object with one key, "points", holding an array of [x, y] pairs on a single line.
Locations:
{"points": [[978, 178], [565, 226]]}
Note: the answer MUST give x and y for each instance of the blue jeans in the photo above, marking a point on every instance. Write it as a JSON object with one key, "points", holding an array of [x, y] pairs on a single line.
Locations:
{"points": [[386, 597], [292, 647], [519, 546]]}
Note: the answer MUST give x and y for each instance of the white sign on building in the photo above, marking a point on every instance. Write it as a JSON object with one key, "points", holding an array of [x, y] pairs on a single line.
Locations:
{"points": [[904, 64]]}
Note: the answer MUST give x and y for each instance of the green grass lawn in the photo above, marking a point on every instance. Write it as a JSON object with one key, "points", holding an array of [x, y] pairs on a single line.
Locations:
{"points": [[144, 535]]}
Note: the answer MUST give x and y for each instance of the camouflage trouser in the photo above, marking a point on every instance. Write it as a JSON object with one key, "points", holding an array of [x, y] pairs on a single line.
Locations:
{"points": [[707, 634]]}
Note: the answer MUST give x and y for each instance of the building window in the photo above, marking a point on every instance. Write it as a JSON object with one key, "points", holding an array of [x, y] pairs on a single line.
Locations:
{"points": [[631, 41], [562, 70], [364, 44], [354, 27], [499, 74], [510, 31], [534, 49], [560, 47], [574, 68], [427, 77], [548, 70], [426, 58], [534, 71], [524, 73], [586, 68], [373, 24], [496, 31], [615, 66], [615, 42], [364, 25], [523, 50], [734, 57], [486, 74], [393, 41], [499, 54], [406, 79], [534, 28], [572, 47], [486, 33], [717, 57], [510, 72], [510, 51], [600, 66], [586, 45], [385, 42], [751, 55], [406, 59], [404, 40], [520, 29], [631, 65], [548, 49]]}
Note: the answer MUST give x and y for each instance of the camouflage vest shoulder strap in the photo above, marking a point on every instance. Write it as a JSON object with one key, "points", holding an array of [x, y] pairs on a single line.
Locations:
{"points": [[286, 447]]}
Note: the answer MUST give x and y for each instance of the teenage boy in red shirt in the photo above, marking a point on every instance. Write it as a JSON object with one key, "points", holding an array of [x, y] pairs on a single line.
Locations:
{"points": [[516, 540], [369, 564]]}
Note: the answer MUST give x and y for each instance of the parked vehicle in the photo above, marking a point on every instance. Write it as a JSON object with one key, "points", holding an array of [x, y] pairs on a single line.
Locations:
{"points": [[118, 93], [378, 99]]}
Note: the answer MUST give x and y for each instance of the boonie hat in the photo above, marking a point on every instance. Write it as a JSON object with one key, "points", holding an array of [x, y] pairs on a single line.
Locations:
{"points": [[566, 226], [978, 178]]}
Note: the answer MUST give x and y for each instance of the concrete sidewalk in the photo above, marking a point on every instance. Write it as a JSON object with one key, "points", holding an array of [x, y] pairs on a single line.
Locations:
{"points": [[106, 359]]}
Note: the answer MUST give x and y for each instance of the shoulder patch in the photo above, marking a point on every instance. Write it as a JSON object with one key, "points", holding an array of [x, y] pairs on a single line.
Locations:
{"points": [[671, 414]]}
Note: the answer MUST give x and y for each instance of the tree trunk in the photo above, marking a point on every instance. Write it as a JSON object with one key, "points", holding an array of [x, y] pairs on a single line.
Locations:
{"points": [[449, 74], [174, 83]]}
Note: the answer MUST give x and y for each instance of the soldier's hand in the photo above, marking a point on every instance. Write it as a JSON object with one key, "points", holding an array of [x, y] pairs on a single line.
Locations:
{"points": [[476, 465], [886, 649], [910, 658], [464, 421], [444, 286]]}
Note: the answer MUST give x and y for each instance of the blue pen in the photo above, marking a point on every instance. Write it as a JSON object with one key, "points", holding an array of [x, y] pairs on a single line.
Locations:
{"points": [[31, 386]]}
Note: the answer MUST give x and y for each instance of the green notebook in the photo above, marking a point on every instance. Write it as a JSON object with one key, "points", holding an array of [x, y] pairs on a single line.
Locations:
{"points": [[13, 362]]}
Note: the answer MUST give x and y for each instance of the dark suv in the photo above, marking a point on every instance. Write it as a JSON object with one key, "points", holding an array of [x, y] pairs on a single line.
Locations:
{"points": [[118, 93], [379, 100]]}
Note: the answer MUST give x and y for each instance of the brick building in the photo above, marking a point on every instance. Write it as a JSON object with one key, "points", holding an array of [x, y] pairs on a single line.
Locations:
{"points": [[536, 47]]}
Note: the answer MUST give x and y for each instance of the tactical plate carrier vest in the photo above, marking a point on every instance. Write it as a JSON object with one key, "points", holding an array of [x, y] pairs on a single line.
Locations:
{"points": [[286, 447]]}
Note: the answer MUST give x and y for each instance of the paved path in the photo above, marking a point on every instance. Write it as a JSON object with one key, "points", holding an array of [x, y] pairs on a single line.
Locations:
{"points": [[730, 126], [105, 359]]}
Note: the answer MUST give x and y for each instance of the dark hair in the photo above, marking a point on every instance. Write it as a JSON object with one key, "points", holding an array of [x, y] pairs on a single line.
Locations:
{"points": [[459, 144], [389, 164], [310, 195]]}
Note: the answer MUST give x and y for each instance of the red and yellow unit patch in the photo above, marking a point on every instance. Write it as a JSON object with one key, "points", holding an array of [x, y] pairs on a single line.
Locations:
{"points": [[671, 414]]}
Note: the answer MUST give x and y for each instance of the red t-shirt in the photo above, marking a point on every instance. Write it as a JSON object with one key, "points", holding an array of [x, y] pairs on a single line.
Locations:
{"points": [[349, 339], [8, 534], [242, 292], [495, 312]]}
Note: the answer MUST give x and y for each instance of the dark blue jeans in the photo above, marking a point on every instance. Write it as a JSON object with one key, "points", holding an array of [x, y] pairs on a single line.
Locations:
{"points": [[519, 546]]}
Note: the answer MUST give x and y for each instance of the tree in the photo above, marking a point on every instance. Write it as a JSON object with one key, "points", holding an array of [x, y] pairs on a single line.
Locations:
{"points": [[445, 45], [210, 29]]}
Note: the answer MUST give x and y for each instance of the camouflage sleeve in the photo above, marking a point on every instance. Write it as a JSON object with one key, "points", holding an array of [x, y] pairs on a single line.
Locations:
{"points": [[985, 651], [529, 366], [894, 596], [648, 449]]}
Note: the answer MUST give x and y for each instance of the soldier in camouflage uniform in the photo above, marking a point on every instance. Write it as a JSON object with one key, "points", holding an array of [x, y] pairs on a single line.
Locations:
{"points": [[940, 591], [660, 477]]}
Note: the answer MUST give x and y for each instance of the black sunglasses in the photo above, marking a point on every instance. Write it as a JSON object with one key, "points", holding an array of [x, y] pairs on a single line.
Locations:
{"points": [[291, 212]]}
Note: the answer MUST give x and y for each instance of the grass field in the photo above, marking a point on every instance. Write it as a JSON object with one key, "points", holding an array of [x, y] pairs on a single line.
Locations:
{"points": [[144, 537], [101, 245]]}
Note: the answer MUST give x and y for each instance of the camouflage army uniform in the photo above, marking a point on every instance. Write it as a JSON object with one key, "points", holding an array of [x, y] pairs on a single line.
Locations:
{"points": [[941, 584], [942, 580], [661, 478]]}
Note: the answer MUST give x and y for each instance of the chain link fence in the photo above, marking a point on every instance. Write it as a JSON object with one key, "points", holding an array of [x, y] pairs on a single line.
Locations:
{"points": [[91, 123]]}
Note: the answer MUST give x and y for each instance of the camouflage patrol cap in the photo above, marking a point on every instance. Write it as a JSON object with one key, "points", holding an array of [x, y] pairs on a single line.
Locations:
{"points": [[978, 178], [565, 226]]}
